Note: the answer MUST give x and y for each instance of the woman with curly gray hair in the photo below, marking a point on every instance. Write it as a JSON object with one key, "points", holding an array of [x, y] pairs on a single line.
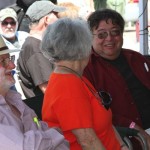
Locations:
{"points": [[70, 101]]}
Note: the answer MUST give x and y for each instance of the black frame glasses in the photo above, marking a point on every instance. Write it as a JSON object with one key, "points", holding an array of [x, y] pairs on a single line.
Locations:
{"points": [[106, 99], [104, 34]]}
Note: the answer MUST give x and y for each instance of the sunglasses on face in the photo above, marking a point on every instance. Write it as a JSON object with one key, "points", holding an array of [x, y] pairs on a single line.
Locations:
{"points": [[5, 23], [104, 34], [106, 99]]}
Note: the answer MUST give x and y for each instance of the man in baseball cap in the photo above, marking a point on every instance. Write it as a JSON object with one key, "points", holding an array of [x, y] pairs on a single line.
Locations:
{"points": [[40, 9], [34, 69], [7, 13], [8, 23]]}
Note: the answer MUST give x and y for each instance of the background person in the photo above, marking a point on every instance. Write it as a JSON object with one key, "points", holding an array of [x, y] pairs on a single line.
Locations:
{"points": [[34, 69], [19, 126], [85, 6], [122, 72], [8, 29], [98, 4], [117, 5], [70, 101], [24, 4], [72, 11], [12, 37]]}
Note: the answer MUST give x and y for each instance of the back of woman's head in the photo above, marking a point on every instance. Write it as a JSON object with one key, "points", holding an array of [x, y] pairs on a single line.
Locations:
{"points": [[67, 39]]}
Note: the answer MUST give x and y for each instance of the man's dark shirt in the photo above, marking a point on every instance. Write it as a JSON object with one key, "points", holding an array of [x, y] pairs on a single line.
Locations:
{"points": [[105, 76], [140, 93]]}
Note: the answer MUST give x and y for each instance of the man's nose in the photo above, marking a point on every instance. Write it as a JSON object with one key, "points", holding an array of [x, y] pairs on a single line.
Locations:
{"points": [[109, 36]]}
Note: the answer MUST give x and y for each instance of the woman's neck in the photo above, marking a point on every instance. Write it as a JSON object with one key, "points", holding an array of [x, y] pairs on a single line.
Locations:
{"points": [[66, 67]]}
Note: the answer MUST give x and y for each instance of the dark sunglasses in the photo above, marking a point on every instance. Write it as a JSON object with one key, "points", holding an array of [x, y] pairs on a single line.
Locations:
{"points": [[106, 99], [5, 23], [113, 33]]}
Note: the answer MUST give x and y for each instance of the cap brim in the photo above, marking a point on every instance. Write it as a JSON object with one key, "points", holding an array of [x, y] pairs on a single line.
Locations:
{"points": [[8, 16], [9, 51]]}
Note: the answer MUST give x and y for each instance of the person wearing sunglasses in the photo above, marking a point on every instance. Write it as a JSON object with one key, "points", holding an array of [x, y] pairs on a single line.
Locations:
{"points": [[70, 100], [13, 38], [19, 125], [124, 73], [8, 29]]}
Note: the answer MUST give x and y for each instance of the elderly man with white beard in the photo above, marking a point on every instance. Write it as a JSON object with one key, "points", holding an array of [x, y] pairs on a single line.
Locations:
{"points": [[13, 38], [19, 125], [8, 29]]}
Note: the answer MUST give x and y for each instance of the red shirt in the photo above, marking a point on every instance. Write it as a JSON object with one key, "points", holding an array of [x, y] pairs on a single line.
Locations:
{"points": [[69, 104]]}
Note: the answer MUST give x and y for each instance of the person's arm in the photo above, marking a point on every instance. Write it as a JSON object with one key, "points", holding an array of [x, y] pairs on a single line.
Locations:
{"points": [[29, 133], [122, 144], [39, 70], [12, 137], [88, 139], [43, 87]]}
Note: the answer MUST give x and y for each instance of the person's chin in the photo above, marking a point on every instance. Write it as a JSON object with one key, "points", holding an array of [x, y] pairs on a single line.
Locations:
{"points": [[11, 80], [9, 85], [110, 51], [9, 35]]}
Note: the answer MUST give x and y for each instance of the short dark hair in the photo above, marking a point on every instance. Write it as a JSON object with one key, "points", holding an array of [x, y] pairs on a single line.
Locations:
{"points": [[106, 14]]}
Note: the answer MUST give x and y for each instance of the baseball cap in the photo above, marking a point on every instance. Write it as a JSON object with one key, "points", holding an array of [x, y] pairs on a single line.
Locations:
{"points": [[4, 49], [7, 12], [40, 9]]}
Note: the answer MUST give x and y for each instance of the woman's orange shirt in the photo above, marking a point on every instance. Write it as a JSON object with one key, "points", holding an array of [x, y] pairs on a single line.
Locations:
{"points": [[69, 104]]}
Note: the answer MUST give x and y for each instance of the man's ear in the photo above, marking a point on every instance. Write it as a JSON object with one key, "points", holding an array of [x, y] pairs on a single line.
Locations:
{"points": [[46, 20]]}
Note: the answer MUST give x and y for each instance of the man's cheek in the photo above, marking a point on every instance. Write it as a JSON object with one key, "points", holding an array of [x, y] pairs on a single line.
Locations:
{"points": [[1, 73]]}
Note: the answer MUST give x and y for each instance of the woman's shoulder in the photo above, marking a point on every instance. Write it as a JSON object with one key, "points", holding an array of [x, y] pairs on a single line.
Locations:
{"points": [[67, 78], [67, 81]]}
